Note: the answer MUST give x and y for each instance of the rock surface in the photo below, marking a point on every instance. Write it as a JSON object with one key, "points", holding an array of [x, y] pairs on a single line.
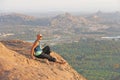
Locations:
{"points": [[16, 64]]}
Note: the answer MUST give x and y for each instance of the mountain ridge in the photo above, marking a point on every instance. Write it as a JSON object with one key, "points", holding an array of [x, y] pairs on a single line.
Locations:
{"points": [[66, 25]]}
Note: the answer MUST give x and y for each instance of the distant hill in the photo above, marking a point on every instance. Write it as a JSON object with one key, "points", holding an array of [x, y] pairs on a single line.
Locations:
{"points": [[66, 25], [65, 20], [62, 19], [105, 18], [21, 19]]}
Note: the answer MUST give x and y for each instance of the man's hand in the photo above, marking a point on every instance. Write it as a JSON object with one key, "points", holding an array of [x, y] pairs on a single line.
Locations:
{"points": [[33, 57]]}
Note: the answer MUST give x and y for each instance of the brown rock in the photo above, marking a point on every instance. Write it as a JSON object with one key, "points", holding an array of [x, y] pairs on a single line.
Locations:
{"points": [[16, 64]]}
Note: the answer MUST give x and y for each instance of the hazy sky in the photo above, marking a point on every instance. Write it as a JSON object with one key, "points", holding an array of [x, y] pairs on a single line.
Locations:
{"points": [[59, 5]]}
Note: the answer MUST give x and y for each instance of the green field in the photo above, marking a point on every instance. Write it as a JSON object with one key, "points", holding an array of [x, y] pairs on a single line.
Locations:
{"points": [[94, 59]]}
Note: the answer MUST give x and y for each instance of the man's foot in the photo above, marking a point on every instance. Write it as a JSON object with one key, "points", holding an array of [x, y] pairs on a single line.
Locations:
{"points": [[60, 62], [47, 62]]}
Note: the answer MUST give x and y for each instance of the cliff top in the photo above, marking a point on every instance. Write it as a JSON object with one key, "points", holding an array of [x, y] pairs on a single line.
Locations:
{"points": [[16, 64]]}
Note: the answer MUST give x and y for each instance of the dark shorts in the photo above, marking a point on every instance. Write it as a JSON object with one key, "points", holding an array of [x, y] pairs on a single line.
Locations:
{"points": [[46, 54], [46, 50]]}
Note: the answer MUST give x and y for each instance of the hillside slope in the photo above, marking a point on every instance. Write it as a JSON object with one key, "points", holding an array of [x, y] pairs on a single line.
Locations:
{"points": [[16, 64]]}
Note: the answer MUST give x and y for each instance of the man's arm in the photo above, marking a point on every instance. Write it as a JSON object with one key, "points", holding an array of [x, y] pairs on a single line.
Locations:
{"points": [[32, 49]]}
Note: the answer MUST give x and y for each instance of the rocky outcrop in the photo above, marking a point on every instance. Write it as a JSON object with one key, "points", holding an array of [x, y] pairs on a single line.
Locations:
{"points": [[16, 64]]}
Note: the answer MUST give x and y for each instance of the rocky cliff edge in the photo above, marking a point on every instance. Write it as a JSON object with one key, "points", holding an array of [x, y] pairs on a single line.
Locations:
{"points": [[16, 64]]}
